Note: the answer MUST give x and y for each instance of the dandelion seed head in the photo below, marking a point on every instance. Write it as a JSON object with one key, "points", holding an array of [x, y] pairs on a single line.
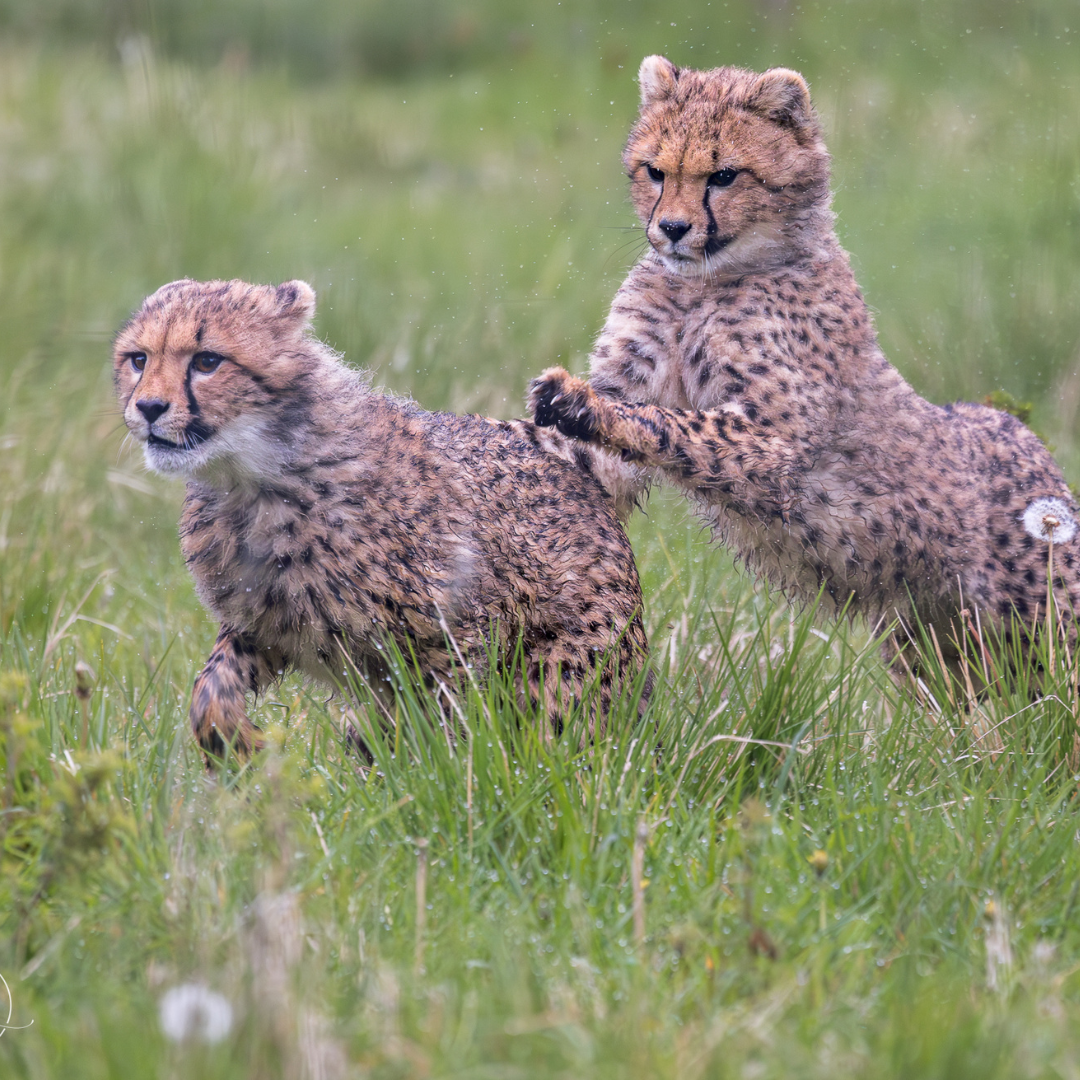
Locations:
{"points": [[193, 1012], [1049, 519], [1044, 953]]}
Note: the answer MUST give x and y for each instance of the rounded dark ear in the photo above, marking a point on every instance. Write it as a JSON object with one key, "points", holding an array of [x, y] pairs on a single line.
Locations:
{"points": [[783, 96], [657, 77], [296, 301]]}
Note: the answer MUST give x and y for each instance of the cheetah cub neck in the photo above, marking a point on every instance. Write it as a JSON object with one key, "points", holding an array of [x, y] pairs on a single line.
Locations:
{"points": [[212, 378], [728, 170]]}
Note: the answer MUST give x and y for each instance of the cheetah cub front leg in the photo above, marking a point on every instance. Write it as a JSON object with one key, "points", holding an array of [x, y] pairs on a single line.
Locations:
{"points": [[712, 450], [218, 703]]}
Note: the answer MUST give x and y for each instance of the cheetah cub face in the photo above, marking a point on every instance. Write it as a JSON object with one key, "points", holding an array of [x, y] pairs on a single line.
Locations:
{"points": [[200, 372], [724, 165]]}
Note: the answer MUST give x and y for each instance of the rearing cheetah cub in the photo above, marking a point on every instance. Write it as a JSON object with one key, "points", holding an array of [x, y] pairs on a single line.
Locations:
{"points": [[740, 361], [322, 517]]}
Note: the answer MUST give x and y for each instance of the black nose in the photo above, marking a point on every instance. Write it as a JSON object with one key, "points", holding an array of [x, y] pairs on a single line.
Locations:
{"points": [[151, 408], [674, 230]]}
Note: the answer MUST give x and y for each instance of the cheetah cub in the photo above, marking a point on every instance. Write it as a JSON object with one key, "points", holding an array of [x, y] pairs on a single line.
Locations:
{"points": [[739, 361], [323, 518]]}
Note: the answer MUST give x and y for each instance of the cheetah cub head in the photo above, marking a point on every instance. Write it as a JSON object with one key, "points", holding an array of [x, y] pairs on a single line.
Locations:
{"points": [[728, 170], [206, 373]]}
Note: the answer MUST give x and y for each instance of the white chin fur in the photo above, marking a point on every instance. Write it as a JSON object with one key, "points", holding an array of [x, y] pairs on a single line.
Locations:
{"points": [[240, 451], [165, 459]]}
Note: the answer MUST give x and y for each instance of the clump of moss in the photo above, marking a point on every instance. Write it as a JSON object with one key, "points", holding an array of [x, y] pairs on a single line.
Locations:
{"points": [[1003, 401]]}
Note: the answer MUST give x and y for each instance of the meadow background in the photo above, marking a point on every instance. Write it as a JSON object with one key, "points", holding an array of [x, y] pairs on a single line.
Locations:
{"points": [[834, 879]]}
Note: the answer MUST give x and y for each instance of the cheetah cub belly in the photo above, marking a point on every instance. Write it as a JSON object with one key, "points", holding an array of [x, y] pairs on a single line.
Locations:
{"points": [[322, 518], [740, 362]]}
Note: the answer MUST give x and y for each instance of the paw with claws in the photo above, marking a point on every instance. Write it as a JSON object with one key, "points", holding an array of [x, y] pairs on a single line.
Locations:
{"points": [[560, 400]]}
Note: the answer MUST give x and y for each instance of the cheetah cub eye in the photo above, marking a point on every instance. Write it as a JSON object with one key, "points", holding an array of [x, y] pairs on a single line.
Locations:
{"points": [[206, 362], [723, 178], [137, 360], [655, 175]]}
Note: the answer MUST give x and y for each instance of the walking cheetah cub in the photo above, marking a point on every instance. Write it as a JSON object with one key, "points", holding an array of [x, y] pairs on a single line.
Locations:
{"points": [[322, 517], [740, 361]]}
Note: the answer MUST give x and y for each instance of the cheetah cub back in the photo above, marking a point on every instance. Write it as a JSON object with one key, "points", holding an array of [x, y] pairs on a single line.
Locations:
{"points": [[322, 518], [739, 361]]}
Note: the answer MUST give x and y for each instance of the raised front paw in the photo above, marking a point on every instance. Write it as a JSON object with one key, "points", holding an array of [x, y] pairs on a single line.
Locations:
{"points": [[558, 399]]}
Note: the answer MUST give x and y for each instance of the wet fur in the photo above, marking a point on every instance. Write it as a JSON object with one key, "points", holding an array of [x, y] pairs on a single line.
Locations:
{"points": [[322, 518]]}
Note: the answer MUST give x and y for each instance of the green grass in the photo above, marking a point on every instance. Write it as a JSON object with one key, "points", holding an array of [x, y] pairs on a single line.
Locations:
{"points": [[462, 215]]}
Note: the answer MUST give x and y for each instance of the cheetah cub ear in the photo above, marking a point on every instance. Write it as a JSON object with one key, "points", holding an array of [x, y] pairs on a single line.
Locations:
{"points": [[296, 302], [781, 95], [657, 77]]}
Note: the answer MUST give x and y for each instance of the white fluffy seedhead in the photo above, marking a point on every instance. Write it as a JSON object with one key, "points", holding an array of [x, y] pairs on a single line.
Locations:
{"points": [[1049, 519]]}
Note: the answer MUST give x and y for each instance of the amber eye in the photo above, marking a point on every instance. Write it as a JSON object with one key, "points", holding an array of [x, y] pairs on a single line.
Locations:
{"points": [[206, 362], [723, 178], [137, 360], [655, 175]]}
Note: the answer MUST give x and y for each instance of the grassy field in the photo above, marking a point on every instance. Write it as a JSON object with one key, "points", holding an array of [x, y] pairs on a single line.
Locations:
{"points": [[818, 876]]}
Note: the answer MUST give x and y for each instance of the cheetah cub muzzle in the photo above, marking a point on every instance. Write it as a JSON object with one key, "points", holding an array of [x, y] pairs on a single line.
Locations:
{"points": [[740, 363], [323, 518]]}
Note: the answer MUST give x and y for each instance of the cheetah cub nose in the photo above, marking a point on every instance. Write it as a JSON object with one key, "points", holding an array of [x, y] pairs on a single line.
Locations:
{"points": [[151, 408], [674, 230]]}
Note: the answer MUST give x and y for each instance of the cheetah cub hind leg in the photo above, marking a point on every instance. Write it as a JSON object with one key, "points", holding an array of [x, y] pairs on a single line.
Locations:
{"points": [[588, 670]]}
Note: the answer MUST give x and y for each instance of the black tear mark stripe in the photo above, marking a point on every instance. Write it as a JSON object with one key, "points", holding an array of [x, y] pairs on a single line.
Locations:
{"points": [[195, 433], [652, 212], [193, 405], [711, 229]]}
